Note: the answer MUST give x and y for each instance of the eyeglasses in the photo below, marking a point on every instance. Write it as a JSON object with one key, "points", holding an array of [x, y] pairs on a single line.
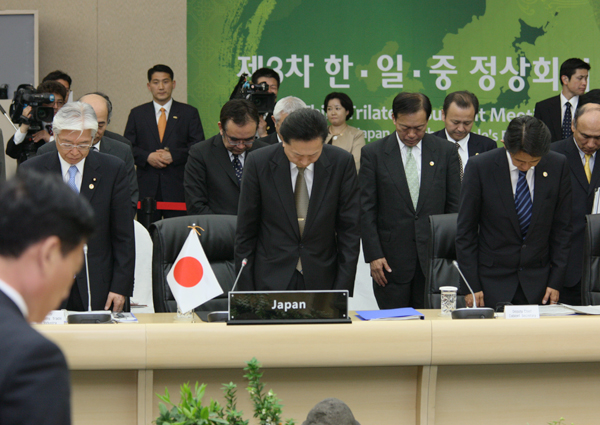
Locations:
{"points": [[234, 141], [80, 148]]}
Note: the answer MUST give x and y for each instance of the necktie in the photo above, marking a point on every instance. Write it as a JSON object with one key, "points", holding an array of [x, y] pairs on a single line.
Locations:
{"points": [[237, 167], [49, 129], [462, 171], [566, 125], [302, 199], [72, 173], [412, 177], [162, 124], [586, 168], [523, 203]]}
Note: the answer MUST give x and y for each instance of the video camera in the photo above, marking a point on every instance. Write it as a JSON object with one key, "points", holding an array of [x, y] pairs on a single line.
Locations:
{"points": [[26, 95], [255, 93]]}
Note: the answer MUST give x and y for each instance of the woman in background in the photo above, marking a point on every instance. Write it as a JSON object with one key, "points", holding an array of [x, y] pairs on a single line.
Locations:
{"points": [[339, 109]]}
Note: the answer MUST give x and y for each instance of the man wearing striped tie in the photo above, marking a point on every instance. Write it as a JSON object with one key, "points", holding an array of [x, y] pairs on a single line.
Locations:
{"points": [[514, 219], [580, 150]]}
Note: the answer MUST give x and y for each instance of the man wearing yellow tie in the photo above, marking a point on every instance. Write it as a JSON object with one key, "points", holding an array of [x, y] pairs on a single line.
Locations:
{"points": [[580, 150], [161, 134]]}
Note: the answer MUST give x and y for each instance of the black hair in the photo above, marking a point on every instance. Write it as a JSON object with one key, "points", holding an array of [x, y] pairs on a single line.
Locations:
{"points": [[304, 125], [265, 72], [58, 75], [53, 87], [463, 100], [411, 103], [239, 111], [344, 100], [160, 68], [593, 96], [570, 67], [36, 206], [527, 134]]}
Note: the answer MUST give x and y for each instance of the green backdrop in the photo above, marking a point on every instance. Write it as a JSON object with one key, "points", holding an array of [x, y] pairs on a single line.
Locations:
{"points": [[508, 52]]}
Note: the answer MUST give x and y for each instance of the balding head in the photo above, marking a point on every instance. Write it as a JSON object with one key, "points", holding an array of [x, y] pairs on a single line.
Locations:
{"points": [[586, 128], [98, 103]]}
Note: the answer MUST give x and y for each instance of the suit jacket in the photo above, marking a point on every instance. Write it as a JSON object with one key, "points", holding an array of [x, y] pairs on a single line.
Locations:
{"points": [[583, 199], [549, 111], [115, 148], [210, 184], [267, 225], [490, 248], [390, 225], [34, 378], [111, 249], [477, 143], [271, 139], [117, 137], [352, 140], [184, 129]]}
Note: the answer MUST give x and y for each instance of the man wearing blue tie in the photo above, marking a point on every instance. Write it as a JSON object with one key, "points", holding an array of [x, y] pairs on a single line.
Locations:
{"points": [[514, 219]]}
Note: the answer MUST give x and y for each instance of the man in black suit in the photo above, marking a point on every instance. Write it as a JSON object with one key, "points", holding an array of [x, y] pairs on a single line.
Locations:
{"points": [[102, 180], [213, 172], [106, 144], [283, 108], [44, 226], [162, 133], [580, 150], [298, 216], [514, 221], [458, 113], [553, 111], [404, 178]]}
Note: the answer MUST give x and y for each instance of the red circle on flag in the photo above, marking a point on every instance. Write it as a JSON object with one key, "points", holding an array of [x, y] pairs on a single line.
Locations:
{"points": [[188, 272]]}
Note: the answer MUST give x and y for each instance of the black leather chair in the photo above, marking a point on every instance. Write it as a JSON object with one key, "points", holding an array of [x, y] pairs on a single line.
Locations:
{"points": [[169, 235], [441, 253], [590, 279]]}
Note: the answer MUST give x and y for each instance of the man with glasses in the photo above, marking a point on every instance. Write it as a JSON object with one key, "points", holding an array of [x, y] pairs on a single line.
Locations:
{"points": [[161, 134], [24, 145], [102, 180], [214, 169]]}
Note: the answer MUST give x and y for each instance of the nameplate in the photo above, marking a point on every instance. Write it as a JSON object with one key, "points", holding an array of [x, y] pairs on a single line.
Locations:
{"points": [[56, 317], [521, 311], [281, 307]]}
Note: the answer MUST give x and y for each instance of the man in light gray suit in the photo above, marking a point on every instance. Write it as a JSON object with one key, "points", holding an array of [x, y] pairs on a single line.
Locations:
{"points": [[105, 144]]}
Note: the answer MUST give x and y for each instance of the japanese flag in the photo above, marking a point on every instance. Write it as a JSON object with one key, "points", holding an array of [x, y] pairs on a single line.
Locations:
{"points": [[191, 279]]}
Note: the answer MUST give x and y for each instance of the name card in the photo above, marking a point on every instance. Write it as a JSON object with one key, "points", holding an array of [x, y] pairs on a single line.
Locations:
{"points": [[522, 312], [56, 317], [272, 307]]}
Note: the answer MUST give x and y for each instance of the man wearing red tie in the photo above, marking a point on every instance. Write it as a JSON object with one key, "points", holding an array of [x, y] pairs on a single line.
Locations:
{"points": [[161, 133]]}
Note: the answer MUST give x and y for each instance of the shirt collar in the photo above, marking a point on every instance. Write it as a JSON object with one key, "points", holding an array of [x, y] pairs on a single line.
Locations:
{"points": [[15, 297], [64, 165], [581, 153], [462, 142], [512, 167], [573, 101], [402, 145], [311, 167], [167, 107]]}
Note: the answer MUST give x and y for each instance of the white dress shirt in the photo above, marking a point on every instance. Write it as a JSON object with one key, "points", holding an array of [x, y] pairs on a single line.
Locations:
{"points": [[241, 157], [463, 148], [309, 175], [514, 176], [166, 106]]}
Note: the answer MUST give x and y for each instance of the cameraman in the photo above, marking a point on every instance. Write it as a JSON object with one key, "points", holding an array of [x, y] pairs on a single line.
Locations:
{"points": [[24, 144], [267, 75]]}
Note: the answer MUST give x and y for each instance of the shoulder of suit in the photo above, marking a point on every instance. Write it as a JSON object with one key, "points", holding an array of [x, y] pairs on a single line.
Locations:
{"points": [[184, 106], [143, 107], [205, 145], [438, 141], [484, 139], [549, 101], [561, 145], [440, 133], [106, 160], [379, 143]]}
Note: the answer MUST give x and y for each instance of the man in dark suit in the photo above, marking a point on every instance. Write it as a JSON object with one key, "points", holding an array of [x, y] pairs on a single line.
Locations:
{"points": [[162, 133], [214, 169], [553, 111], [298, 216], [458, 113], [580, 150], [283, 108], [514, 221], [404, 178], [44, 227], [106, 144], [102, 180]]}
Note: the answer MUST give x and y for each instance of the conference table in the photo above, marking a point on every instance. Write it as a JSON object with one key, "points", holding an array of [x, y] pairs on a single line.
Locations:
{"points": [[432, 371]]}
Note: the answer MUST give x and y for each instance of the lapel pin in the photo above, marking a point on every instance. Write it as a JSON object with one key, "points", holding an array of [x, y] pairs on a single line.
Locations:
{"points": [[94, 179], [91, 186], [477, 154], [431, 163], [545, 174], [174, 117]]}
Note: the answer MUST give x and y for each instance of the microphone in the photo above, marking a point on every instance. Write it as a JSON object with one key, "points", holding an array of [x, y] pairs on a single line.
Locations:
{"points": [[222, 316], [89, 316], [473, 312]]}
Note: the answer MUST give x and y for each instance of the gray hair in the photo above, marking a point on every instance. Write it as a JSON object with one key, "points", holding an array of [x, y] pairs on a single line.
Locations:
{"points": [[287, 105], [75, 116]]}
